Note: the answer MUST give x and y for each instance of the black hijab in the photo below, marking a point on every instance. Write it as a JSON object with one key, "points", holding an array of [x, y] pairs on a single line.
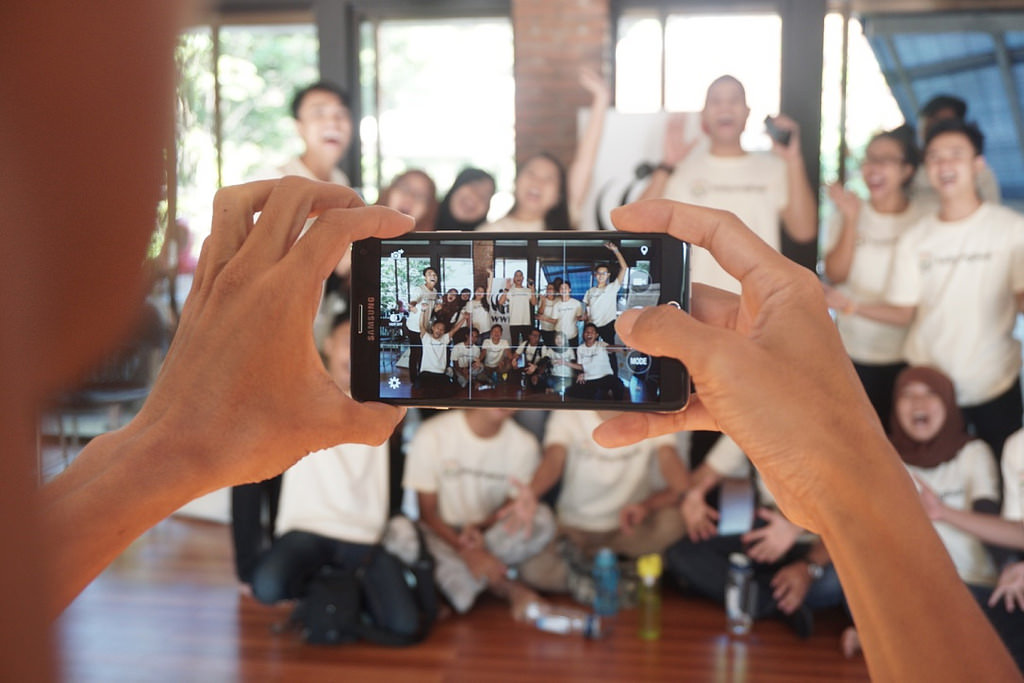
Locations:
{"points": [[445, 219]]}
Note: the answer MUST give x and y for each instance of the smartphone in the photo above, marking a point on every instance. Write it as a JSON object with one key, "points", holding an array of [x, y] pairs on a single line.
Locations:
{"points": [[419, 338], [775, 133]]}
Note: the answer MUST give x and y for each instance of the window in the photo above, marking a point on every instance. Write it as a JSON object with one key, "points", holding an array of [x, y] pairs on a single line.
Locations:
{"points": [[234, 116], [438, 95]]}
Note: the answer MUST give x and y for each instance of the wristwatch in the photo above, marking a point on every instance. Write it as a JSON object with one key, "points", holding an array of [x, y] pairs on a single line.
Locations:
{"points": [[815, 571]]}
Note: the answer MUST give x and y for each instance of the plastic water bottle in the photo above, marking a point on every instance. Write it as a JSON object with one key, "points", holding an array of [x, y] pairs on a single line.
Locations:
{"points": [[740, 595], [648, 598], [606, 583], [563, 620]]}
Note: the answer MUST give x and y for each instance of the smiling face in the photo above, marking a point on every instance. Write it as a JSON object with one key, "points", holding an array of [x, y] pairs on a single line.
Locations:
{"points": [[470, 202], [478, 294], [725, 112], [451, 295], [885, 168], [589, 335], [534, 337], [412, 194], [549, 291], [517, 278], [325, 125], [564, 290], [952, 164], [496, 334], [537, 188], [920, 411], [430, 277]]}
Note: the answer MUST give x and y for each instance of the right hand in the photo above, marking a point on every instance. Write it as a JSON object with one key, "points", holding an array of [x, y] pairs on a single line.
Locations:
{"points": [[1010, 588], [676, 147], [769, 366], [701, 519], [483, 565], [846, 202]]}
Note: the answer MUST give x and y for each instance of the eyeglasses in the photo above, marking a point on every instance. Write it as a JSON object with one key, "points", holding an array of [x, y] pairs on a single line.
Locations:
{"points": [[882, 161]]}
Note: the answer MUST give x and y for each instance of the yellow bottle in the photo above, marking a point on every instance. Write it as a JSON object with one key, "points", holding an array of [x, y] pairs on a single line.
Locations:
{"points": [[648, 599]]}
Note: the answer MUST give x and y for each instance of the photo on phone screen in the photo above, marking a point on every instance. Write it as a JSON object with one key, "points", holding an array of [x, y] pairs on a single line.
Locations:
{"points": [[514, 319]]}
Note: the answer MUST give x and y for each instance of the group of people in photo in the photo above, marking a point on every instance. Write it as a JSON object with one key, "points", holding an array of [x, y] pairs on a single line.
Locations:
{"points": [[510, 339], [925, 275]]}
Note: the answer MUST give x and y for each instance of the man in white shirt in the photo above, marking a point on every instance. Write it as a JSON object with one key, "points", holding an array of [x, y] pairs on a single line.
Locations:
{"points": [[497, 356], [334, 509], [958, 282], [597, 381], [601, 301], [433, 379], [536, 363], [464, 467], [466, 359], [521, 301], [607, 498], [566, 314]]}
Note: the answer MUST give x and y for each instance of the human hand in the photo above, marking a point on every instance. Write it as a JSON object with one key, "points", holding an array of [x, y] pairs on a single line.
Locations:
{"points": [[243, 394], [701, 519], [790, 151], [846, 202], [1010, 588], [835, 299], [790, 585], [769, 543], [676, 147], [933, 505], [611, 247], [518, 513], [596, 86], [483, 565], [581, 378], [470, 537], [631, 516], [775, 340]]}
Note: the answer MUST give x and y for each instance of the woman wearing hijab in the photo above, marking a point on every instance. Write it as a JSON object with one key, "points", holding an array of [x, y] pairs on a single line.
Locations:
{"points": [[467, 202], [929, 433]]}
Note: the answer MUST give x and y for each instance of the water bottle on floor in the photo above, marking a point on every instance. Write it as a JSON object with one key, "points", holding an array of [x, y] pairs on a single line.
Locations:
{"points": [[606, 583], [740, 595], [648, 599], [563, 620]]}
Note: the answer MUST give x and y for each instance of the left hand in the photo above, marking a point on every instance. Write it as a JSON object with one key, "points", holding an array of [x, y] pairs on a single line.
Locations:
{"points": [[596, 86], [631, 516], [518, 513], [470, 537], [243, 394], [769, 543], [790, 585], [1010, 588], [792, 150]]}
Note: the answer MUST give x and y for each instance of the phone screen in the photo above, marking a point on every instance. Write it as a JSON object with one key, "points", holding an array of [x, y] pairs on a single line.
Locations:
{"points": [[521, 319]]}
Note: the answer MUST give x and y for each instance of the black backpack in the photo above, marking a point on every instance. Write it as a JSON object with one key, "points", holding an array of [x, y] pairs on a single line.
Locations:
{"points": [[383, 601]]}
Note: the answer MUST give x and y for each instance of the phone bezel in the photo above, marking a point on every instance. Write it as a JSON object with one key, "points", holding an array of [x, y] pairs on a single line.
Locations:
{"points": [[366, 259]]}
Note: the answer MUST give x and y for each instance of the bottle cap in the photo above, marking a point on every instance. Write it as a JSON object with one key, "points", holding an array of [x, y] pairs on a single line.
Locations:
{"points": [[739, 560], [649, 567], [605, 558]]}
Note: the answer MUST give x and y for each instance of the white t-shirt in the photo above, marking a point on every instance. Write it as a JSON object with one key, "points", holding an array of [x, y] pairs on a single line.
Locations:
{"points": [[968, 477], [435, 353], [598, 482], [493, 352], [422, 304], [296, 167], [509, 224], [753, 186], [464, 355], [519, 305], [530, 353], [567, 354], [594, 360], [339, 492], [479, 317], [868, 341], [601, 303], [1013, 476], [566, 313], [546, 308], [961, 276], [469, 474], [925, 195]]}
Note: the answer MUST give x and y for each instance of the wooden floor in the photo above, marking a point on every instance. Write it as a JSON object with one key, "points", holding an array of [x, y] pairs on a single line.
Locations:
{"points": [[168, 610]]}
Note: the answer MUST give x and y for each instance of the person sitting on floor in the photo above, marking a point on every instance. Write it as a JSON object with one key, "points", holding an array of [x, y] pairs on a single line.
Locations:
{"points": [[466, 360], [606, 499], [497, 357], [465, 466], [597, 381], [536, 364]]}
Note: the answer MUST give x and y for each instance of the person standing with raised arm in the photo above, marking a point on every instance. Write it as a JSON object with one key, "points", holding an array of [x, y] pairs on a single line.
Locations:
{"points": [[773, 374]]}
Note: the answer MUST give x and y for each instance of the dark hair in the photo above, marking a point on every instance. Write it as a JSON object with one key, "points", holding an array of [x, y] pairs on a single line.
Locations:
{"points": [[557, 217], [965, 128], [430, 217], [429, 268], [905, 137], [496, 325], [940, 102], [445, 219], [321, 86], [466, 290], [339, 319], [589, 324]]}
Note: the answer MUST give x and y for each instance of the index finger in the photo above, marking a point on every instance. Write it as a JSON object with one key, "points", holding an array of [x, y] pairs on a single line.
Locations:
{"points": [[736, 248]]}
